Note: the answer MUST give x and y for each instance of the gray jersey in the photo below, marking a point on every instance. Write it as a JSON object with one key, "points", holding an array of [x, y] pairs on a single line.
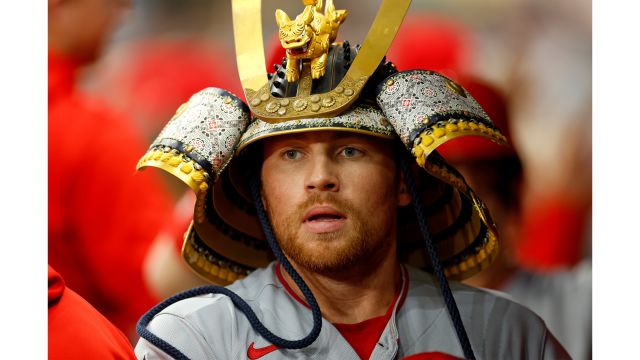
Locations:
{"points": [[563, 301], [210, 327]]}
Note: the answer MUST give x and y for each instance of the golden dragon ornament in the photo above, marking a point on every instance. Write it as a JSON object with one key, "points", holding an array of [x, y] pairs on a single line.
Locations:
{"points": [[309, 36]]}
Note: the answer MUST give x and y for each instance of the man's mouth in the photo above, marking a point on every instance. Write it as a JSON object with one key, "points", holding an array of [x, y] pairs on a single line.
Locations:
{"points": [[323, 213], [323, 219]]}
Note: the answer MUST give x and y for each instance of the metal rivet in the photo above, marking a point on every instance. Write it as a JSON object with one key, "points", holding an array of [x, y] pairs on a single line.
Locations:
{"points": [[284, 102], [389, 82], [272, 106], [427, 140], [299, 105], [339, 89], [315, 107], [348, 92], [264, 97], [255, 101], [439, 132], [314, 98], [451, 127], [328, 101], [282, 111]]}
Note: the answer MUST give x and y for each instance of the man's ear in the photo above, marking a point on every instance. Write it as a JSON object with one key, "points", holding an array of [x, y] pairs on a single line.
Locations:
{"points": [[404, 198], [263, 197]]}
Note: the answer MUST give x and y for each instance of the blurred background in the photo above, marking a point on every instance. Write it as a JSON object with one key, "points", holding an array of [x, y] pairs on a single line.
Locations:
{"points": [[532, 57]]}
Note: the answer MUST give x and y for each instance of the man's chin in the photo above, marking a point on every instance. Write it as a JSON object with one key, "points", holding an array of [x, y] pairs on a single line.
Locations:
{"points": [[321, 239], [324, 266], [326, 254]]}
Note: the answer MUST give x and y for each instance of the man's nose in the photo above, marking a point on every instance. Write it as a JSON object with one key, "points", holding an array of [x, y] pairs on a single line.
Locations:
{"points": [[322, 175]]}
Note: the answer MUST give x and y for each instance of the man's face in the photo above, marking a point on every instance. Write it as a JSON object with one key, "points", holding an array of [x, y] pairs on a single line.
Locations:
{"points": [[332, 198]]}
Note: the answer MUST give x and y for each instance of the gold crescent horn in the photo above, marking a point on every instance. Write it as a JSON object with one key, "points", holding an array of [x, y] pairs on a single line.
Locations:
{"points": [[247, 28], [247, 32]]}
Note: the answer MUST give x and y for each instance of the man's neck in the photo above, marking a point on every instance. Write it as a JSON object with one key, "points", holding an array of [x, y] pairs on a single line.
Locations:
{"points": [[353, 299]]}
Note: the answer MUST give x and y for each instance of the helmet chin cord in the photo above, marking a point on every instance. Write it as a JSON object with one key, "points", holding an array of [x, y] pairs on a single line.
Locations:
{"points": [[141, 327], [435, 261]]}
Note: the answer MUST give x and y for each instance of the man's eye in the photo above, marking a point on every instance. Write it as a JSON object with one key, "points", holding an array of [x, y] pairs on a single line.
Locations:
{"points": [[350, 152], [292, 154]]}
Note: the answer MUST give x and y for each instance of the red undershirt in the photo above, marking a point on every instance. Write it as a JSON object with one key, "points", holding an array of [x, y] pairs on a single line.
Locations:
{"points": [[362, 336]]}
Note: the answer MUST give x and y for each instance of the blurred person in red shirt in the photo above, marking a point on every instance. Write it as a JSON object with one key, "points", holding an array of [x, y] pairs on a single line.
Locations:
{"points": [[102, 220], [77, 329], [562, 297], [166, 53], [432, 41]]}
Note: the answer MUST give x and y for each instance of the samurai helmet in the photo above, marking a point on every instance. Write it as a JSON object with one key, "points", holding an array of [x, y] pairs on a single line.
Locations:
{"points": [[323, 85]]}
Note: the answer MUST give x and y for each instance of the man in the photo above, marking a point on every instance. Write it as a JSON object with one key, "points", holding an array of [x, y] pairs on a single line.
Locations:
{"points": [[331, 183], [96, 207]]}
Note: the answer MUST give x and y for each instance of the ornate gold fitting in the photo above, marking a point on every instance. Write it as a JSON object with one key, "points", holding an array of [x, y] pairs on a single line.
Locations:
{"points": [[307, 40]]}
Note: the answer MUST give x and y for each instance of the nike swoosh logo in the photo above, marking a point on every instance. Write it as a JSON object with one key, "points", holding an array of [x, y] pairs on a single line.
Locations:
{"points": [[254, 354]]}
